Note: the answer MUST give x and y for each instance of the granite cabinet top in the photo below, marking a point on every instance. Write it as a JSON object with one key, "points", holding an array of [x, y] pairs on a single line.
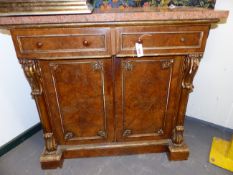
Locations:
{"points": [[107, 4], [121, 15]]}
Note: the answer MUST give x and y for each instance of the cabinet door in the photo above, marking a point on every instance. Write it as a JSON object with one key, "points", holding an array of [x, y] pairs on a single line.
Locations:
{"points": [[147, 93], [79, 96]]}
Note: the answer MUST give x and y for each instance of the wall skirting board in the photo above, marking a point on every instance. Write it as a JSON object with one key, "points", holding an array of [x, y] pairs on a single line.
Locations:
{"points": [[221, 128], [37, 127], [19, 139]]}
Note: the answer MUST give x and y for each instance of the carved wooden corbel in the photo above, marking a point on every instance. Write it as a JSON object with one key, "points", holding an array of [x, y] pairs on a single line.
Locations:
{"points": [[32, 73], [191, 64], [50, 143], [177, 136]]}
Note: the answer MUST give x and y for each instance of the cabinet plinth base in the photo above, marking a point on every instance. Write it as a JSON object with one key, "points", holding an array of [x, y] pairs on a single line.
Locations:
{"points": [[51, 160], [178, 152], [110, 149], [55, 159]]}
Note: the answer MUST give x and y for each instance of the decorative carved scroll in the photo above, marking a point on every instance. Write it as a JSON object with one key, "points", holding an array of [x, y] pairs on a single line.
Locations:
{"points": [[128, 66], [101, 133], [160, 131], [167, 64], [127, 132], [191, 64], [32, 73], [97, 66], [54, 66], [69, 135], [50, 143], [177, 137]]}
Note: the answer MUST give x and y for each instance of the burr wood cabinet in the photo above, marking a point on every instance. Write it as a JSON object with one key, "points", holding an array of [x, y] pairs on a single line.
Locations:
{"points": [[94, 95], [97, 103]]}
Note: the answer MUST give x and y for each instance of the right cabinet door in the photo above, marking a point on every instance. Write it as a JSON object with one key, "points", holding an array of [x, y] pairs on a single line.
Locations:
{"points": [[147, 97]]}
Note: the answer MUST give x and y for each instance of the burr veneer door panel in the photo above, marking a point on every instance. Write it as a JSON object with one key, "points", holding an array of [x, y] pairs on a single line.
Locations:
{"points": [[79, 95], [147, 97]]}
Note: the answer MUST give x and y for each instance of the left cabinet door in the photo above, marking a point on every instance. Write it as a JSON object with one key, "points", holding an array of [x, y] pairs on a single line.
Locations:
{"points": [[79, 97]]}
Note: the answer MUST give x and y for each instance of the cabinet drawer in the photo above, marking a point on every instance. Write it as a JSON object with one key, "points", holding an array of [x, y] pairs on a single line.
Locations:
{"points": [[61, 42], [162, 39]]}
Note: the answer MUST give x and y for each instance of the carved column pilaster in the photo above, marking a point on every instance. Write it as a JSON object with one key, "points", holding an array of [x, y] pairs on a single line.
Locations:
{"points": [[191, 64], [52, 155], [177, 149]]}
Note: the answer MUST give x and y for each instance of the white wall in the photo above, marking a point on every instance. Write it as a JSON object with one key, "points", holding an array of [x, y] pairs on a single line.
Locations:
{"points": [[212, 99], [17, 109]]}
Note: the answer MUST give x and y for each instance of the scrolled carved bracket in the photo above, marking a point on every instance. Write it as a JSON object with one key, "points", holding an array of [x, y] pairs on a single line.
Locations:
{"points": [[32, 73], [101, 133], [128, 66], [177, 136], [69, 135], [127, 132], [54, 66], [167, 64], [160, 131], [50, 143], [191, 64], [97, 66]]}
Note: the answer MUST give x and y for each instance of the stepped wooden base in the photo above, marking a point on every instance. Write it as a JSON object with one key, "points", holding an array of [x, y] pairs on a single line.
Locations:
{"points": [[55, 159], [178, 152], [51, 160]]}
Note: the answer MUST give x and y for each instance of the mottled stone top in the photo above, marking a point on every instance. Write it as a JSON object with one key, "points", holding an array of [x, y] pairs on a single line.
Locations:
{"points": [[118, 15], [107, 4]]}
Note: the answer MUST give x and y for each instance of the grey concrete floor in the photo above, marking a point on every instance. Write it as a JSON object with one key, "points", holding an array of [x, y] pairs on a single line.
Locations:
{"points": [[24, 159]]}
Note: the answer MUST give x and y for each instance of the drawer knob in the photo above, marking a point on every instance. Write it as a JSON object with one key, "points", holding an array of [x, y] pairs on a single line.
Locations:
{"points": [[39, 44], [86, 43], [182, 39]]}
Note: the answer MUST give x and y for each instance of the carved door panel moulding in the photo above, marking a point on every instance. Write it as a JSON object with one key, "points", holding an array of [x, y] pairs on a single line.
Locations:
{"points": [[141, 83], [79, 86]]}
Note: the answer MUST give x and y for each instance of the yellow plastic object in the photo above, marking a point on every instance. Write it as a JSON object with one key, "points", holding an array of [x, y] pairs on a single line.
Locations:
{"points": [[221, 153]]}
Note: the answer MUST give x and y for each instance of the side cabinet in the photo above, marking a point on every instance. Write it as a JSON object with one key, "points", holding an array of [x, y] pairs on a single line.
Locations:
{"points": [[96, 98]]}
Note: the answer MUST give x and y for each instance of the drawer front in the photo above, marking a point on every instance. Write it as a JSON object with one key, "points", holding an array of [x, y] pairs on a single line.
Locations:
{"points": [[61, 42], [162, 39]]}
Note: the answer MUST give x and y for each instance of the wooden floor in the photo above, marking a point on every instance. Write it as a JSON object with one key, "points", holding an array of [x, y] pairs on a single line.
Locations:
{"points": [[24, 159]]}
